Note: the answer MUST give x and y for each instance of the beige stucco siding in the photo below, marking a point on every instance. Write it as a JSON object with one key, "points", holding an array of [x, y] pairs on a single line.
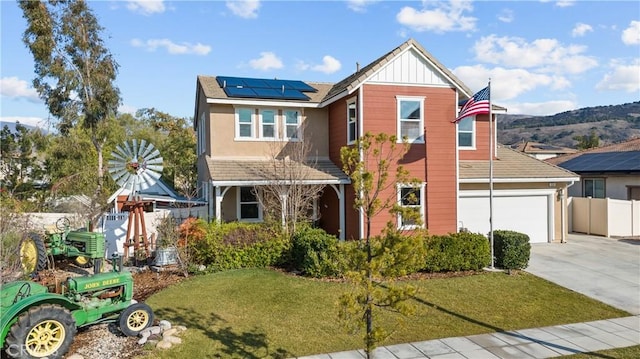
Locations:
{"points": [[225, 144]]}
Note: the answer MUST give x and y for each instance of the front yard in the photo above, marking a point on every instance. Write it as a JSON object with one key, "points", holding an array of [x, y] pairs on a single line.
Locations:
{"points": [[258, 313]]}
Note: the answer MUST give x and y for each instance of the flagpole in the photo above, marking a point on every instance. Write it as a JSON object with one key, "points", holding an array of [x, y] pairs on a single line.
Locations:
{"points": [[491, 145]]}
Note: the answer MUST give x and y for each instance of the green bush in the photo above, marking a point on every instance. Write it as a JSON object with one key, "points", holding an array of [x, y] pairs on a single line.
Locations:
{"points": [[400, 254], [315, 253], [456, 252], [240, 245], [511, 249]]}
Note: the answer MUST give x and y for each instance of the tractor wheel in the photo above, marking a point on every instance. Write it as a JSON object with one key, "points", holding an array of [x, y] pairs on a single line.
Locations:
{"points": [[135, 318], [83, 262], [33, 254], [43, 331]]}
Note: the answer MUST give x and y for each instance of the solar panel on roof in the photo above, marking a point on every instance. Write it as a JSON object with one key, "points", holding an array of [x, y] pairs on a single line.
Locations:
{"points": [[264, 88], [294, 95], [239, 92], [605, 161]]}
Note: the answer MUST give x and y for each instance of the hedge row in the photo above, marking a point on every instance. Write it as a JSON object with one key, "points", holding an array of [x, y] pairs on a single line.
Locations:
{"points": [[314, 253]]}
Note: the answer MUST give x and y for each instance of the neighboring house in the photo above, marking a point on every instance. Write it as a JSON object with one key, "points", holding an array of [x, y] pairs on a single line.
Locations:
{"points": [[241, 123], [543, 151], [159, 196], [611, 171]]}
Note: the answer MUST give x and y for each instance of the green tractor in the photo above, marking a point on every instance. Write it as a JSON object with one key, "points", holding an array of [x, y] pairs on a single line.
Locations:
{"points": [[84, 247], [40, 320]]}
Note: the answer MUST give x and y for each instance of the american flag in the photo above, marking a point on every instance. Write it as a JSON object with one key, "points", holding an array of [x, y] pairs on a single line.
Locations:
{"points": [[478, 104]]}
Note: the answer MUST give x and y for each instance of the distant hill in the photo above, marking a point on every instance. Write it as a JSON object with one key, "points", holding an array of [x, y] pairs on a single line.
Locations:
{"points": [[613, 124]]}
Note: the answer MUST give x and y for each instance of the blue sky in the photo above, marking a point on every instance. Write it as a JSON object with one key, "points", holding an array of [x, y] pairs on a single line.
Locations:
{"points": [[543, 57]]}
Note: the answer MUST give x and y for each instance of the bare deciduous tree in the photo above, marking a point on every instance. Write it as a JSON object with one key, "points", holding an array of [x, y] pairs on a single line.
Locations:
{"points": [[289, 194]]}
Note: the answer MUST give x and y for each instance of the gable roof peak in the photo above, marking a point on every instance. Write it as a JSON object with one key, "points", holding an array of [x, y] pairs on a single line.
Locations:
{"points": [[355, 80]]}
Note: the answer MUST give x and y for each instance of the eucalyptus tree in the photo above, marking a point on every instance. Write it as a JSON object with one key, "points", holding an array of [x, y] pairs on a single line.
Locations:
{"points": [[75, 72]]}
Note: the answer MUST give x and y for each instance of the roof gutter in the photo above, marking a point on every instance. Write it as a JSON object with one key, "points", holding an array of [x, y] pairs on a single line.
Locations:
{"points": [[520, 180]]}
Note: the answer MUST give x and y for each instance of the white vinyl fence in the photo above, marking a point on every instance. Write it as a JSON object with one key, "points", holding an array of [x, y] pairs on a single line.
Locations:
{"points": [[114, 225], [604, 216]]}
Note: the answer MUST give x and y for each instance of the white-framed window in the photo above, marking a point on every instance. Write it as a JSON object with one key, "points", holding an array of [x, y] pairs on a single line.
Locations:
{"points": [[466, 133], [411, 197], [248, 205], [201, 134], [594, 187], [244, 123], [291, 121], [268, 127], [352, 122], [410, 118]]}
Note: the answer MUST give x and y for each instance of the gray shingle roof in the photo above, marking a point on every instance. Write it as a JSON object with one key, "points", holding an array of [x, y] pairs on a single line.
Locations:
{"points": [[320, 171], [511, 164]]}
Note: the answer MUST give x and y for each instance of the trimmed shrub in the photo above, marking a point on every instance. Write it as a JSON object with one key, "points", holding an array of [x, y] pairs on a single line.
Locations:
{"points": [[456, 252], [240, 245], [400, 254], [511, 249], [315, 253]]}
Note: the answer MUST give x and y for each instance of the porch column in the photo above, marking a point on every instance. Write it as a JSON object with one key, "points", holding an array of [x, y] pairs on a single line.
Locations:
{"points": [[219, 196], [341, 212]]}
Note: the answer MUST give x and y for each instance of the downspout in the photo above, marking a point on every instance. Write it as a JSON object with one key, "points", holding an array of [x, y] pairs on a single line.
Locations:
{"points": [[360, 134]]}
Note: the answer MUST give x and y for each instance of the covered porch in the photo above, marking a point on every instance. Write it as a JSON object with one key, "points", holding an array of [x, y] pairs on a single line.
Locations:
{"points": [[235, 189]]}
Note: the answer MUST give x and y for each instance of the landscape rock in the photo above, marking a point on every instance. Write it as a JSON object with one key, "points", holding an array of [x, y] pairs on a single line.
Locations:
{"points": [[173, 340], [164, 324], [75, 356], [169, 332], [164, 344], [181, 328]]}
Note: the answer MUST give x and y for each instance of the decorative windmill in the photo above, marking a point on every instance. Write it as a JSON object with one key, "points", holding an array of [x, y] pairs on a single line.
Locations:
{"points": [[136, 166]]}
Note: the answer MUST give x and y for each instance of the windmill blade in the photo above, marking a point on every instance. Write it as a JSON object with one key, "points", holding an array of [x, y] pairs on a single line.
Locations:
{"points": [[153, 174], [153, 154], [118, 175], [129, 152], [156, 168], [147, 150], [135, 149], [154, 161], [143, 147], [126, 178], [119, 154]]}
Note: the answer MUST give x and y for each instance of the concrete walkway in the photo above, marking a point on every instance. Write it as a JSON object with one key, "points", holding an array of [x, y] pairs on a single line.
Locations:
{"points": [[547, 342], [602, 268]]}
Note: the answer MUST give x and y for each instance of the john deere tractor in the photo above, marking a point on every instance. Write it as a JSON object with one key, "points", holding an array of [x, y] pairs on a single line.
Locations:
{"points": [[39, 320], [84, 247]]}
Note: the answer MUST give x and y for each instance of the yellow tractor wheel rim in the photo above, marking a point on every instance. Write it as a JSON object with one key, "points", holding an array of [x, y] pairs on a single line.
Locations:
{"points": [[138, 320], [45, 338], [82, 260], [28, 255]]}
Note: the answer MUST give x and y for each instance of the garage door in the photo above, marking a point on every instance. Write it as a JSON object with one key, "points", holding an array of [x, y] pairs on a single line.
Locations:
{"points": [[525, 214]]}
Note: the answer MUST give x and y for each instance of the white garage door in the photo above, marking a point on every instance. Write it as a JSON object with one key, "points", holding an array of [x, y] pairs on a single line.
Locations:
{"points": [[525, 214]]}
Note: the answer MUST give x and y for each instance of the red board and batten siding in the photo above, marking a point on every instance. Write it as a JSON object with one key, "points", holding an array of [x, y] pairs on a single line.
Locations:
{"points": [[433, 162], [481, 151]]}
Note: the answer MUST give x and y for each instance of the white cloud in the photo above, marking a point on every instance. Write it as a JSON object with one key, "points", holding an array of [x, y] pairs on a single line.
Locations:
{"points": [[540, 108], [622, 77], [507, 83], [267, 61], [438, 17], [247, 9], [360, 5], [631, 35], [506, 15], [544, 54], [146, 7], [581, 29], [565, 3], [13, 87], [329, 65], [171, 47]]}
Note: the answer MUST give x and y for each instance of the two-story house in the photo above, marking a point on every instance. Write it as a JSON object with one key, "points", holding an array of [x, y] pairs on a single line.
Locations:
{"points": [[242, 122]]}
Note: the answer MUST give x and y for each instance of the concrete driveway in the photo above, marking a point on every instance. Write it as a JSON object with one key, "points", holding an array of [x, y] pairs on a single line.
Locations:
{"points": [[605, 269]]}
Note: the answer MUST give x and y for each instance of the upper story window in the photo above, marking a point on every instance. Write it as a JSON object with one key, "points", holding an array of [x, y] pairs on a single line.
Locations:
{"points": [[244, 123], [594, 187], [201, 134], [268, 124], [411, 118], [352, 122], [466, 133], [248, 205], [292, 124], [410, 197]]}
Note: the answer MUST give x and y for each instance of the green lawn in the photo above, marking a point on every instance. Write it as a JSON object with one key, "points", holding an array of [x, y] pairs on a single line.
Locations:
{"points": [[261, 313]]}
